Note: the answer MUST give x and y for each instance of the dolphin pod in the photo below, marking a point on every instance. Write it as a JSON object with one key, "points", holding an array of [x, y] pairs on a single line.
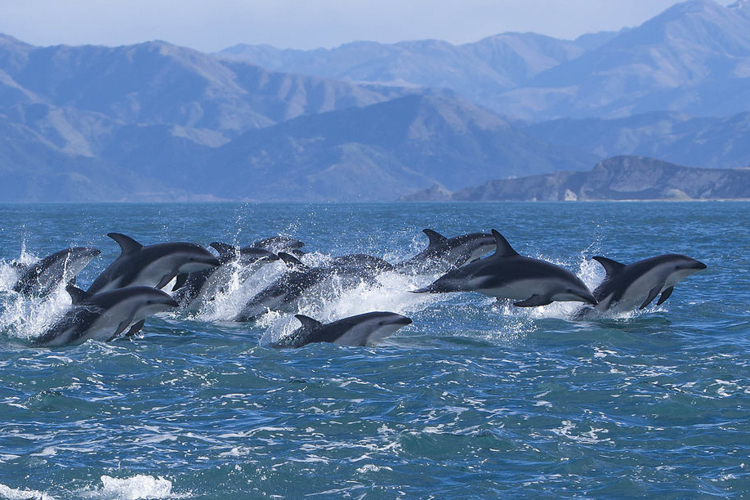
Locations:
{"points": [[129, 290]]}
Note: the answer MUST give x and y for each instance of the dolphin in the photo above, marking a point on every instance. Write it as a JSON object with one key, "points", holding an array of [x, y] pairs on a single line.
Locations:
{"points": [[104, 316], [44, 276], [444, 253], [153, 265], [284, 292], [194, 289], [278, 244], [506, 274], [360, 330], [627, 287]]}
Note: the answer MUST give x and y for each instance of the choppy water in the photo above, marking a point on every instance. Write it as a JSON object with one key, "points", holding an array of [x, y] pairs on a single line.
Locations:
{"points": [[473, 400]]}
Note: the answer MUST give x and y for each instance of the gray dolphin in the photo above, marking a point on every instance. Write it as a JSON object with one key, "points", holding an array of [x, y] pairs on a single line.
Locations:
{"points": [[282, 294], [360, 330], [44, 276], [627, 287], [506, 274], [444, 253], [153, 265], [197, 288], [104, 316], [278, 244]]}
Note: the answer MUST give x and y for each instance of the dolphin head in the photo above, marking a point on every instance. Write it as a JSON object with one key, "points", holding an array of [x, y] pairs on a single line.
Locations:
{"points": [[250, 255], [467, 248], [479, 245], [152, 301], [373, 327], [573, 291], [195, 258], [680, 267], [683, 263], [78, 258], [83, 253]]}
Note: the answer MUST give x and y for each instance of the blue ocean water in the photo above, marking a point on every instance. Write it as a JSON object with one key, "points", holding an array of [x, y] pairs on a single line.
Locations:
{"points": [[475, 399]]}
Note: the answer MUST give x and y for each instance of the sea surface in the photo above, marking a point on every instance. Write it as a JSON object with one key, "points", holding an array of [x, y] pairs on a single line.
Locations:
{"points": [[475, 399]]}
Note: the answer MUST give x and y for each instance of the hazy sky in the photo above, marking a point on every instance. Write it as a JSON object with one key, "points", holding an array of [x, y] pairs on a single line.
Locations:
{"points": [[211, 25]]}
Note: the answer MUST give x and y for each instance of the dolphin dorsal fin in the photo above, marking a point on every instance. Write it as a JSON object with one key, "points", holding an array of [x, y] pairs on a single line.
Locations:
{"points": [[612, 267], [291, 261], [307, 322], [223, 248], [503, 247], [77, 296], [127, 244], [434, 237]]}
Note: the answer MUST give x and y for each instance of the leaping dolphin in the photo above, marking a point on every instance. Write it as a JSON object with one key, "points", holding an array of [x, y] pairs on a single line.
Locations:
{"points": [[360, 330], [44, 276], [278, 244], [197, 288], [152, 265], [282, 294], [506, 274], [106, 315], [444, 253], [627, 287]]}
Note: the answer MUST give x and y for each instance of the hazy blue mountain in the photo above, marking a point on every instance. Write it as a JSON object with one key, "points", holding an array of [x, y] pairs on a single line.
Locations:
{"points": [[155, 83], [694, 58], [676, 137], [619, 178], [376, 153], [157, 121], [33, 170], [475, 70]]}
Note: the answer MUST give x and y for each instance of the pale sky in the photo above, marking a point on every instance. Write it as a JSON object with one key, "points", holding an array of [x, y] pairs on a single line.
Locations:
{"points": [[211, 25]]}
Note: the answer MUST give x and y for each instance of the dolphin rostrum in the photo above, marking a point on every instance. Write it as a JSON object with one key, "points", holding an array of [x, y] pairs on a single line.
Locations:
{"points": [[44, 276], [105, 315], [152, 265], [361, 330], [627, 287], [506, 274]]}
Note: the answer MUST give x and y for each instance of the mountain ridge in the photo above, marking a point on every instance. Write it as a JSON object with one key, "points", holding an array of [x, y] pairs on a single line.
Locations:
{"points": [[622, 178]]}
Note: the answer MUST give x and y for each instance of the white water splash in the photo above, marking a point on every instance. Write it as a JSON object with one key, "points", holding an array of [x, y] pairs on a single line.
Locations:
{"points": [[17, 494], [131, 488]]}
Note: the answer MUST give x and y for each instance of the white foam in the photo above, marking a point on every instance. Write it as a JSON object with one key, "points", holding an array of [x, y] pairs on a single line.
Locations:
{"points": [[391, 294], [29, 317], [16, 494], [132, 488]]}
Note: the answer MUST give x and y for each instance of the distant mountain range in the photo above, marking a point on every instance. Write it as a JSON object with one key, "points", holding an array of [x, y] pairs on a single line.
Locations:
{"points": [[623, 178], [722, 142], [376, 152], [369, 121], [690, 59]]}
